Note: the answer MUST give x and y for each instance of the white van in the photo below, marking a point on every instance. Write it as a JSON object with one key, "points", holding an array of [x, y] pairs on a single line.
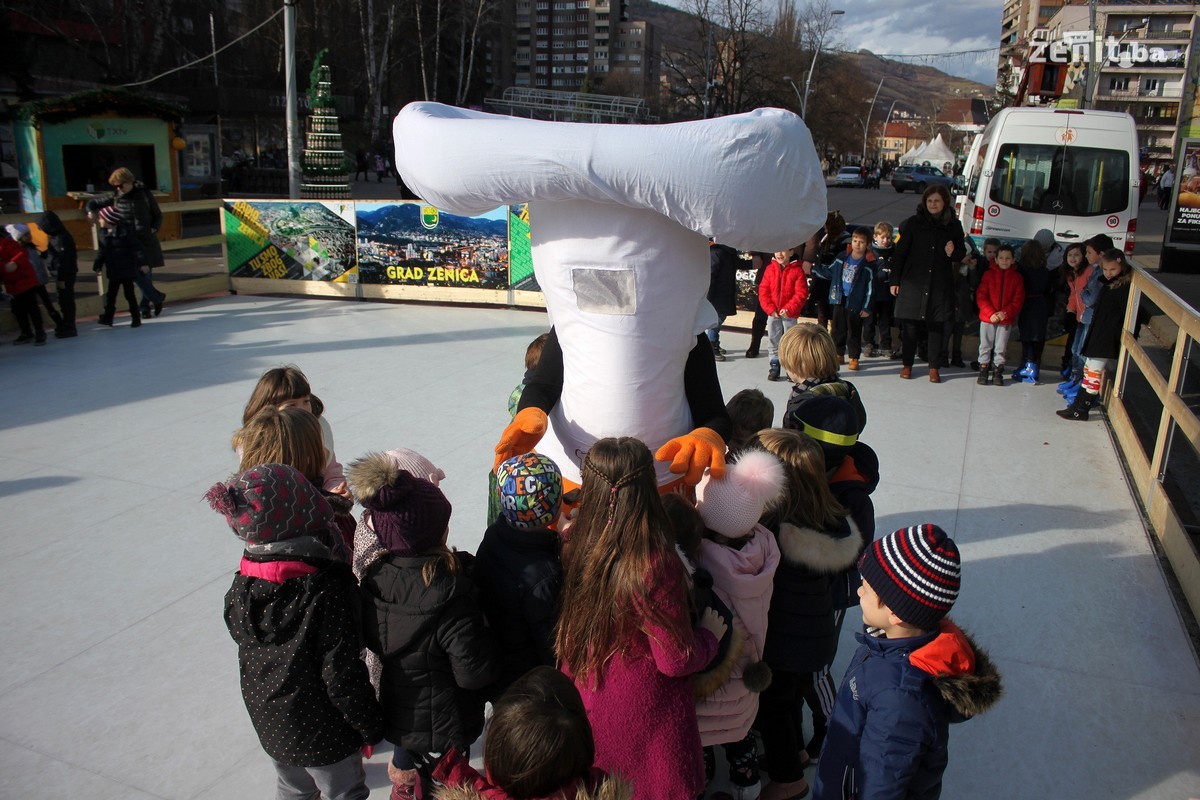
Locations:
{"points": [[1072, 171]]}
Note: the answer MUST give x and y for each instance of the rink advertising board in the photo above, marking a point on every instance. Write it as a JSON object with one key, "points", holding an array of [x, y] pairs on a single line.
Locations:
{"points": [[520, 256], [1183, 223], [296, 240], [413, 244]]}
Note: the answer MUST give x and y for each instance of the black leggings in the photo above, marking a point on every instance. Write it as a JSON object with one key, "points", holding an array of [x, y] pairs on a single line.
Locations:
{"points": [[910, 334], [110, 297]]}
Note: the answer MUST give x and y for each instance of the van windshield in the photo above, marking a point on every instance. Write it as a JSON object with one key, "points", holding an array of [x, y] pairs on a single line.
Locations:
{"points": [[1052, 179]]}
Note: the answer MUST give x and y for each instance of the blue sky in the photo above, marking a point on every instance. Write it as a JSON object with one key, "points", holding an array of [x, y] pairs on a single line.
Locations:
{"points": [[925, 26]]}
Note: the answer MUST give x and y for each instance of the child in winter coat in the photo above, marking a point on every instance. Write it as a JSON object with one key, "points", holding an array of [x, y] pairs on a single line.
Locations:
{"points": [[851, 278], [292, 436], [624, 634], [810, 359], [282, 387], [1074, 275], [293, 611], [539, 744], [1038, 282], [1000, 297], [819, 542], [877, 330], [20, 281], [421, 615], [517, 566], [741, 556], [1103, 343], [121, 256], [20, 232], [915, 672], [1088, 294], [781, 294], [367, 549], [62, 261]]}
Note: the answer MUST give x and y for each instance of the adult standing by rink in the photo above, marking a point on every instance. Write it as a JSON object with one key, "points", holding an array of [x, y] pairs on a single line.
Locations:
{"points": [[931, 242], [137, 206]]}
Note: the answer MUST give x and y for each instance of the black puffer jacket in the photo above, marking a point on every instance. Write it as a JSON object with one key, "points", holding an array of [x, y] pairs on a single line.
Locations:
{"points": [[519, 578], [921, 268], [437, 650], [140, 209], [302, 679], [1108, 321], [60, 257], [801, 635], [120, 253], [722, 284]]}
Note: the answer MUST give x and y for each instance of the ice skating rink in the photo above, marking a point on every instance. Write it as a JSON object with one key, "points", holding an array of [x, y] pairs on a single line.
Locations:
{"points": [[119, 680]]}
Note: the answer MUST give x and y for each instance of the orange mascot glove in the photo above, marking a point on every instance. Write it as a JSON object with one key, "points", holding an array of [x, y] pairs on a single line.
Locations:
{"points": [[693, 452], [521, 435]]}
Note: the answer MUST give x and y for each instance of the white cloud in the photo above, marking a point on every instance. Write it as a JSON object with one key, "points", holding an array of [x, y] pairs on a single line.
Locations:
{"points": [[926, 26]]}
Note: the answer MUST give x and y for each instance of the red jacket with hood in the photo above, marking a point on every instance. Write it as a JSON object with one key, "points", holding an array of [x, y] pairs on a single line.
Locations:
{"points": [[18, 274], [783, 288], [1000, 290]]}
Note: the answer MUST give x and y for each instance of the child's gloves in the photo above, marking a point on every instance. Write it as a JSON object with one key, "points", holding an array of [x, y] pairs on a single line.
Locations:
{"points": [[694, 452], [521, 435]]}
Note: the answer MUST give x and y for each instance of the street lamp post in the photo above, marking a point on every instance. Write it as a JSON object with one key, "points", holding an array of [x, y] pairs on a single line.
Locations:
{"points": [[808, 81], [795, 89], [867, 124]]}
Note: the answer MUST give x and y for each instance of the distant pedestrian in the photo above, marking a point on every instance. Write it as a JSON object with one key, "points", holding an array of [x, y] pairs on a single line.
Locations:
{"points": [[380, 168], [1166, 182], [121, 255], [140, 210], [20, 233], [361, 165], [61, 260], [20, 282]]}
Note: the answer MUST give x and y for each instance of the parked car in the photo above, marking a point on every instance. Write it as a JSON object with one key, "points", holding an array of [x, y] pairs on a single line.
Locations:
{"points": [[848, 176], [919, 177]]}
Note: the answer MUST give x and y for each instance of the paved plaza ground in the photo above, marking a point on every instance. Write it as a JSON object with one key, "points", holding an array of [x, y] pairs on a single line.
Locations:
{"points": [[118, 679]]}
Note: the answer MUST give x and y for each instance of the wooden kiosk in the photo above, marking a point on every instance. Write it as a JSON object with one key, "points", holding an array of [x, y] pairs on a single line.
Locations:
{"points": [[68, 146]]}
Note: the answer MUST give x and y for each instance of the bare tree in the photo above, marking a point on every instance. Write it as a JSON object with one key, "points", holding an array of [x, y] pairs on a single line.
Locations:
{"points": [[375, 56]]}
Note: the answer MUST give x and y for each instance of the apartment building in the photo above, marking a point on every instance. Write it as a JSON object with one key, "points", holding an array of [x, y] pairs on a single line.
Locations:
{"points": [[1140, 67], [570, 45]]}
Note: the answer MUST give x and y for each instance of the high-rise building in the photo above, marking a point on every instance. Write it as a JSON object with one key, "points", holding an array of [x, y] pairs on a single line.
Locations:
{"points": [[576, 45]]}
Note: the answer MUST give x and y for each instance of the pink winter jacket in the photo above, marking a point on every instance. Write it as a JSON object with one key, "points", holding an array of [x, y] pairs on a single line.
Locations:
{"points": [[744, 580]]}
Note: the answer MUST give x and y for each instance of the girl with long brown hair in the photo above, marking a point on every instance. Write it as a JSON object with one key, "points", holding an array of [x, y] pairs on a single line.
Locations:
{"points": [[625, 635]]}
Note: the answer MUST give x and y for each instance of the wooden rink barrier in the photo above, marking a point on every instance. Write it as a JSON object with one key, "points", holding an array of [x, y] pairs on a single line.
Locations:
{"points": [[1152, 469]]}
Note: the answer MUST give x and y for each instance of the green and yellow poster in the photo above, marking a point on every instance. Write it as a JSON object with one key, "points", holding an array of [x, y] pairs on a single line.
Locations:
{"points": [[299, 240]]}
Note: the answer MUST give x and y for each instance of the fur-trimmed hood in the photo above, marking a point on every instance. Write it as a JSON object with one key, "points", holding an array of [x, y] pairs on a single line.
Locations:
{"points": [[369, 474], [827, 552], [964, 674], [463, 782]]}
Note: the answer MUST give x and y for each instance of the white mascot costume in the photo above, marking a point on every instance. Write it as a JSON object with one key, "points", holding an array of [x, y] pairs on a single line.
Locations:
{"points": [[620, 216]]}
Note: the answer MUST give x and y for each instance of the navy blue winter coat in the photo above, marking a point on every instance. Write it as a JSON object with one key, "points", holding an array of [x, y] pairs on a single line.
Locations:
{"points": [[861, 290], [889, 728]]}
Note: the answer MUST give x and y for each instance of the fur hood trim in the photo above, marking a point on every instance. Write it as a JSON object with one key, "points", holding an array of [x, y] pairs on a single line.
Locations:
{"points": [[975, 692], [820, 550], [610, 788], [706, 683], [369, 474]]}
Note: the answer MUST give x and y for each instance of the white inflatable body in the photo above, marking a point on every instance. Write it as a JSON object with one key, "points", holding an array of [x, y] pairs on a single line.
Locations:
{"points": [[620, 216]]}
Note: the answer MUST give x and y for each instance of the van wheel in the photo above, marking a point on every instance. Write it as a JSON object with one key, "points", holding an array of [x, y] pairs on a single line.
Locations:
{"points": [[920, 188]]}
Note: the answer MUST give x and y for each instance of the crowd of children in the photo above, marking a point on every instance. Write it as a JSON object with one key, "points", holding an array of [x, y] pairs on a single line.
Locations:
{"points": [[998, 291], [619, 636]]}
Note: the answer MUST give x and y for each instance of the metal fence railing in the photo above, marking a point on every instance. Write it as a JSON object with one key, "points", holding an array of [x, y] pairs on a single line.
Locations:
{"points": [[1153, 412]]}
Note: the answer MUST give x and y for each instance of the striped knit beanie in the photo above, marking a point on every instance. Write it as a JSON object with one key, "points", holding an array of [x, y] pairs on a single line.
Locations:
{"points": [[915, 572]]}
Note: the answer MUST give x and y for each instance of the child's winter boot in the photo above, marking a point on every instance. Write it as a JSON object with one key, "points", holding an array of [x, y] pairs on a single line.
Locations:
{"points": [[1080, 405], [1031, 373], [406, 783], [985, 375], [773, 372], [1019, 374], [998, 377]]}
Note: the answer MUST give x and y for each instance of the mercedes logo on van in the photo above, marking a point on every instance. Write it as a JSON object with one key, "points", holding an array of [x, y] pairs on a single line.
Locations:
{"points": [[1056, 206]]}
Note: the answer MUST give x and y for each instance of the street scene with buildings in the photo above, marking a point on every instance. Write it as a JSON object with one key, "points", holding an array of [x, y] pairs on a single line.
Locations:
{"points": [[931, 523]]}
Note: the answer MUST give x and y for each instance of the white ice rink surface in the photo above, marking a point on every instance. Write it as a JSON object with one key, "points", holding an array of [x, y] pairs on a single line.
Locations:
{"points": [[119, 680]]}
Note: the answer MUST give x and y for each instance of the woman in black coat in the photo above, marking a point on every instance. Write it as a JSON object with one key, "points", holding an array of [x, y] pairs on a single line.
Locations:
{"points": [[931, 243]]}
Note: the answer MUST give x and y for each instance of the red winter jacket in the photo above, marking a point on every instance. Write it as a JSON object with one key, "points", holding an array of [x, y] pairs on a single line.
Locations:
{"points": [[15, 269], [1000, 290], [783, 289]]}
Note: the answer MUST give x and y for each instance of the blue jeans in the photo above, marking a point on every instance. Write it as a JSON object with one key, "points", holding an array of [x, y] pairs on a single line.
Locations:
{"points": [[1081, 332], [713, 332], [150, 294]]}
